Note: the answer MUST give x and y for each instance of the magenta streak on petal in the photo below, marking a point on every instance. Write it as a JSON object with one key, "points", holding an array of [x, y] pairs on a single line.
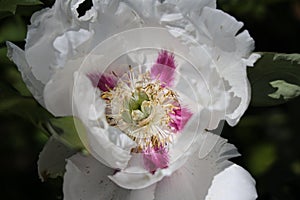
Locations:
{"points": [[164, 68], [104, 82], [155, 158], [179, 118]]}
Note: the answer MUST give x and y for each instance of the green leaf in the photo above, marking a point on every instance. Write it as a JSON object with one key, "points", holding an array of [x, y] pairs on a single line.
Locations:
{"points": [[11, 5], [11, 102], [66, 130], [4, 14], [12, 29], [275, 79]]}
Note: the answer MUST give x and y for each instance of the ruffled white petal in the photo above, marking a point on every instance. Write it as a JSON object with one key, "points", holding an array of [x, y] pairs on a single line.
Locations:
{"points": [[210, 177], [233, 183], [55, 35], [39, 51], [208, 89], [230, 53], [193, 180], [86, 179], [115, 17], [105, 147], [176, 187], [58, 91], [107, 144], [191, 7], [135, 176], [69, 45]]}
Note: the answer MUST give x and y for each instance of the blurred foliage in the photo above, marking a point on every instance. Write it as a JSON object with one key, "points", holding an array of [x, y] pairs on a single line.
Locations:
{"points": [[256, 9], [268, 138], [275, 29], [11, 5]]}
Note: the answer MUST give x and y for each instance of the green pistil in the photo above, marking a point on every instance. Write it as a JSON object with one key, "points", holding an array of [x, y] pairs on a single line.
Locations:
{"points": [[138, 107]]}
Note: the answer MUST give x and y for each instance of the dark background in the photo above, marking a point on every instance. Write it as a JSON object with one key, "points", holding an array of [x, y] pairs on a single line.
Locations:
{"points": [[267, 137]]}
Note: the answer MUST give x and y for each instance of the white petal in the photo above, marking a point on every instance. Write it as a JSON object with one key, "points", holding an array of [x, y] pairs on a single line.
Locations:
{"points": [[146, 193], [35, 86], [208, 89], [86, 179], [134, 176], [115, 17], [190, 139], [146, 9], [233, 183], [68, 45], [52, 159], [218, 27], [193, 180], [59, 90], [138, 178], [50, 27], [252, 59], [192, 6], [108, 150], [230, 53], [109, 145], [39, 50], [176, 187]]}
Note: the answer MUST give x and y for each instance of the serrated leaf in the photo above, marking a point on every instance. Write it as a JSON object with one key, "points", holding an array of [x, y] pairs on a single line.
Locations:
{"points": [[52, 159], [66, 130], [11, 5], [271, 74]]}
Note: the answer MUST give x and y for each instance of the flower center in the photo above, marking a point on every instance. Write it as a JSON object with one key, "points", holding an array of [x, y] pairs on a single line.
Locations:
{"points": [[142, 108]]}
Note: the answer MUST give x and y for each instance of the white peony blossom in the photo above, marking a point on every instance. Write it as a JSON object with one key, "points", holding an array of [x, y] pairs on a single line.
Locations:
{"points": [[148, 79]]}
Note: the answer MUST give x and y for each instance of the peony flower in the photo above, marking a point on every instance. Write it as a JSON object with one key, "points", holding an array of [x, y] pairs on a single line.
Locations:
{"points": [[148, 80]]}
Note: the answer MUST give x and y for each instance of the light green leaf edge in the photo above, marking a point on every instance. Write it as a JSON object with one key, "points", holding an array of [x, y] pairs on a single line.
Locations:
{"points": [[66, 130], [285, 90], [272, 68]]}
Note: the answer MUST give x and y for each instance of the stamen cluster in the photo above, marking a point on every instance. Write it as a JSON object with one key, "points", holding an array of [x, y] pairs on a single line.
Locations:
{"points": [[142, 108]]}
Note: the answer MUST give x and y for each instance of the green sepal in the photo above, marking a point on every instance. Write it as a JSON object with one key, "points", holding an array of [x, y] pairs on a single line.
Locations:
{"points": [[67, 130]]}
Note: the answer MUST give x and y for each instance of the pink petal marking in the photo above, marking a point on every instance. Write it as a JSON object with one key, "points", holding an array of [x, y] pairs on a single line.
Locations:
{"points": [[155, 158], [179, 118], [104, 82], [164, 68]]}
